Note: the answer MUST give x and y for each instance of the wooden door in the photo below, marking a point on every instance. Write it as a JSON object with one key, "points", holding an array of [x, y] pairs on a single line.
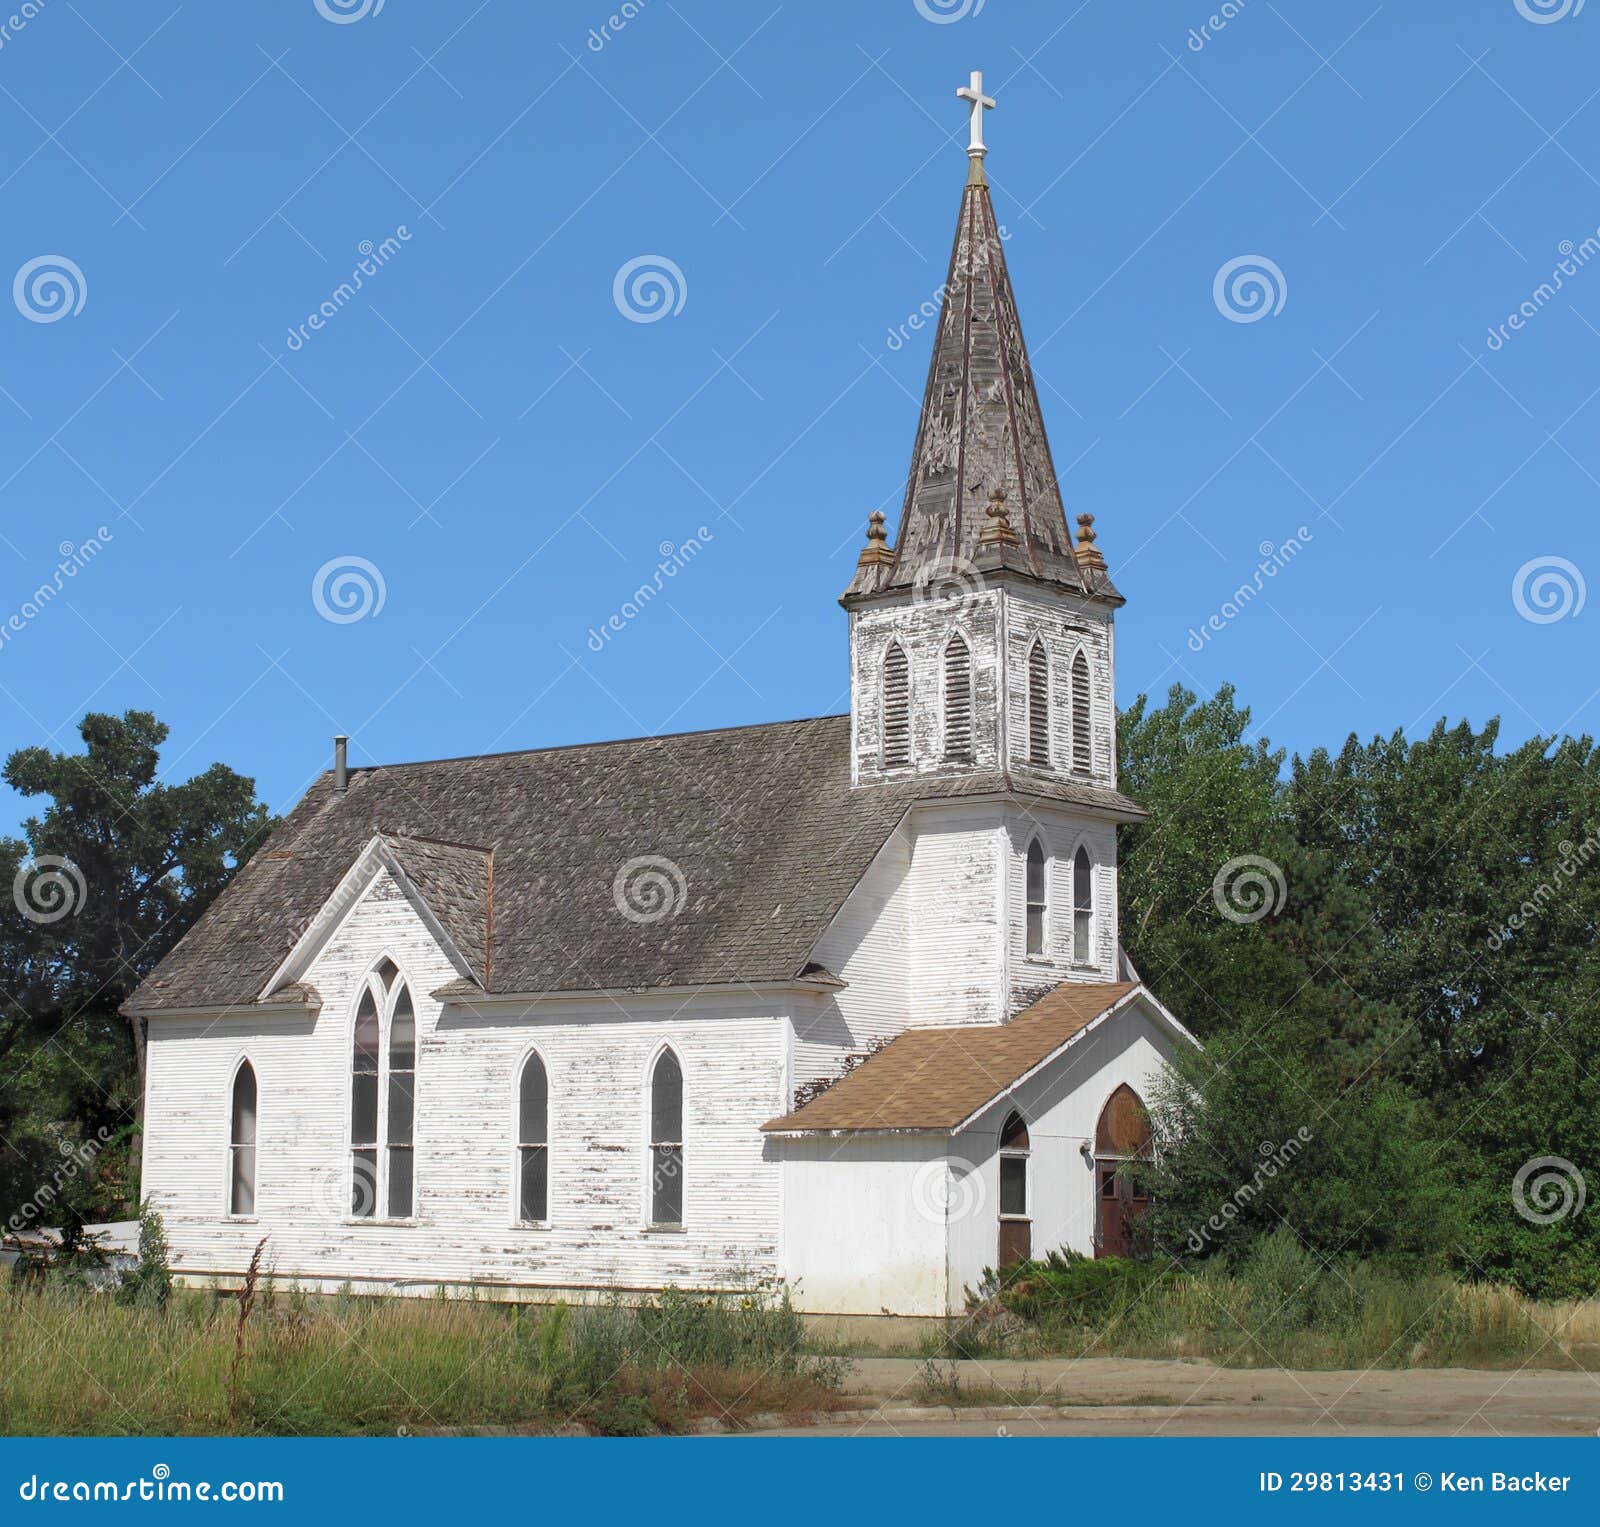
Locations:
{"points": [[1123, 1202]]}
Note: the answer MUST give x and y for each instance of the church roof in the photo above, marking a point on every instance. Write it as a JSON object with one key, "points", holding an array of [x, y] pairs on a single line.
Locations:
{"points": [[981, 432], [937, 1079], [547, 869]]}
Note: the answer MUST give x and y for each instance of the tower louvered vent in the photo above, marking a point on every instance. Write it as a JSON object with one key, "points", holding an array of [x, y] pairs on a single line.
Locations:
{"points": [[1080, 714], [896, 709], [957, 700], [1038, 706]]}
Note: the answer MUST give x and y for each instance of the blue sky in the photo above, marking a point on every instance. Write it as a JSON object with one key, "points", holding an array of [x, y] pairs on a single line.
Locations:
{"points": [[508, 451]]}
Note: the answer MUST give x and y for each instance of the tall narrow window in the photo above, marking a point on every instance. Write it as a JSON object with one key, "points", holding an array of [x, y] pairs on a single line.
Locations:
{"points": [[402, 1103], [1080, 714], [364, 1109], [1038, 705], [666, 1141], [957, 699], [1037, 906], [896, 708], [1082, 906], [533, 1143], [1015, 1227], [383, 1106], [242, 1143]]}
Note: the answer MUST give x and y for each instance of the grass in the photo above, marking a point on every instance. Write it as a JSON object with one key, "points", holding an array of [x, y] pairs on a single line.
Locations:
{"points": [[288, 1364], [1283, 1308]]}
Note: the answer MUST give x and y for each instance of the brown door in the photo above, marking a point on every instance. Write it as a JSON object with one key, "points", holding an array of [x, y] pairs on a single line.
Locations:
{"points": [[1122, 1141]]}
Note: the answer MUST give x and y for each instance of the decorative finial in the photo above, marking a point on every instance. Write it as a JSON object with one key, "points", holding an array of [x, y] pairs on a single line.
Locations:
{"points": [[980, 103], [876, 552], [1091, 564], [998, 531]]}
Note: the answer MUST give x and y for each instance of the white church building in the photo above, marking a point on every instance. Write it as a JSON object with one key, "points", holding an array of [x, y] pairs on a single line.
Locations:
{"points": [[838, 1002]]}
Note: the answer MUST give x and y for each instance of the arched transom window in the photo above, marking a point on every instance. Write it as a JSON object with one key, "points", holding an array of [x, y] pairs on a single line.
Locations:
{"points": [[242, 1142], [383, 1105], [666, 1141]]}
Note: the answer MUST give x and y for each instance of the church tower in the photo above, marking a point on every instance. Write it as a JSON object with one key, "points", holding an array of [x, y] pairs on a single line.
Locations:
{"points": [[981, 640]]}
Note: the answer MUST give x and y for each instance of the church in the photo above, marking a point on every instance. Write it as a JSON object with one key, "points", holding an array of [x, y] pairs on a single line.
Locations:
{"points": [[835, 1003]]}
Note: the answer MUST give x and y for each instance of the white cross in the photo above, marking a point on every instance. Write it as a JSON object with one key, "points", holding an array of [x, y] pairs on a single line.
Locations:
{"points": [[980, 102]]}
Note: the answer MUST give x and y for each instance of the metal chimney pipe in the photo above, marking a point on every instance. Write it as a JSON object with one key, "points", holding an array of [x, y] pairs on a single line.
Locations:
{"points": [[341, 770]]}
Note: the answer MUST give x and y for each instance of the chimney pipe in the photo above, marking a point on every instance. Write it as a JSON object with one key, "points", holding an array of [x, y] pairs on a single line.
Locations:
{"points": [[341, 771]]}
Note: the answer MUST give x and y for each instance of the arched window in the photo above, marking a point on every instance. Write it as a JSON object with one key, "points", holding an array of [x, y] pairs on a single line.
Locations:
{"points": [[1081, 718], [896, 708], [1036, 894], [383, 1097], [533, 1143], [1122, 1146], [1038, 705], [957, 699], [242, 1142], [1082, 906], [1015, 1226], [666, 1141]]}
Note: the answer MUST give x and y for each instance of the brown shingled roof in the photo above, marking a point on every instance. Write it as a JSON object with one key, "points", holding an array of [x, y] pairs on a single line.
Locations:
{"points": [[760, 822], [935, 1079]]}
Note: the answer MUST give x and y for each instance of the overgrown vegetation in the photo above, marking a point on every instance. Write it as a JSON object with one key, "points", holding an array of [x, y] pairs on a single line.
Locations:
{"points": [[1279, 1307], [285, 1363]]}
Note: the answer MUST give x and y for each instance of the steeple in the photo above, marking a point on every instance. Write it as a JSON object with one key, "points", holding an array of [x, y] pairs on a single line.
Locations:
{"points": [[981, 432]]}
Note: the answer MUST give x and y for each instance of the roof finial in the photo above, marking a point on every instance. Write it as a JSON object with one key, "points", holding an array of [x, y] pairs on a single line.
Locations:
{"points": [[998, 531], [1091, 565], [876, 551], [980, 103]]}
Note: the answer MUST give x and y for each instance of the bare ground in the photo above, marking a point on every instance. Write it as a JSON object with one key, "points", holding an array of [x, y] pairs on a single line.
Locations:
{"points": [[1135, 1397]]}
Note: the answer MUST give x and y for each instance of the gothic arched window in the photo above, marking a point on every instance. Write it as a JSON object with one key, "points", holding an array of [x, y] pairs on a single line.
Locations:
{"points": [[1081, 718], [1082, 906], [242, 1142], [383, 1097], [533, 1142], [1038, 705], [666, 1141], [957, 699], [896, 708], [1037, 900]]}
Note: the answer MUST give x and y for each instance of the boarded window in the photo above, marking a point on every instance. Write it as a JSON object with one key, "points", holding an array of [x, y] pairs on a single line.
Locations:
{"points": [[666, 1141], [533, 1143], [1037, 904], [1038, 706], [1080, 714], [957, 700], [1082, 906], [402, 1103], [896, 708], [242, 1143], [364, 1109]]}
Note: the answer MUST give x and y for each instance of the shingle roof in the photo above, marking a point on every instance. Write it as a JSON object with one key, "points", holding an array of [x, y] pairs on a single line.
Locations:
{"points": [[934, 1079], [697, 859], [981, 429]]}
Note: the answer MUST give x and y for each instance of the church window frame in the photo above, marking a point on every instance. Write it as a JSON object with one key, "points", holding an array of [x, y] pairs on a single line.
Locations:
{"points": [[1081, 675], [1037, 737], [532, 1133], [1083, 906], [666, 1178], [894, 709], [382, 1116], [1036, 900], [243, 1156], [959, 738]]}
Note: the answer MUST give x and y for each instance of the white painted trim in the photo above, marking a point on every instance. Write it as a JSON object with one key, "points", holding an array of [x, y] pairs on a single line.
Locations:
{"points": [[647, 1094], [239, 1064]]}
